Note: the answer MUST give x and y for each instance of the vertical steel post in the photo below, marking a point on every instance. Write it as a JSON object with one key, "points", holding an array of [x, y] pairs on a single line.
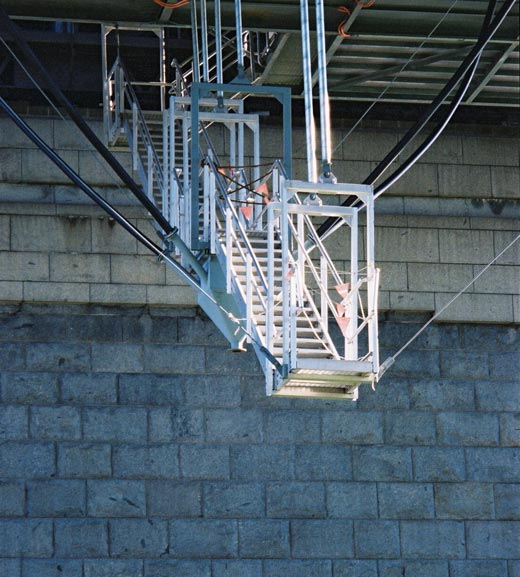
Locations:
{"points": [[166, 165], [240, 46], [106, 94], [351, 349], [195, 41], [218, 42], [326, 139], [204, 32], [162, 64], [310, 128]]}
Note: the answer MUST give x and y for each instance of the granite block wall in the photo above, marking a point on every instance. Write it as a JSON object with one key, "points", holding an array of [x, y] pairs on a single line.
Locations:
{"points": [[132, 444]]}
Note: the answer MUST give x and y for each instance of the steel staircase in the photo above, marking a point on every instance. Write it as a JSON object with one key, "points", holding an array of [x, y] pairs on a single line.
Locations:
{"points": [[266, 277]]}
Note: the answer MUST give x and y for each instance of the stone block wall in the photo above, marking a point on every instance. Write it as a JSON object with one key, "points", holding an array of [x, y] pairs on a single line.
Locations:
{"points": [[133, 444]]}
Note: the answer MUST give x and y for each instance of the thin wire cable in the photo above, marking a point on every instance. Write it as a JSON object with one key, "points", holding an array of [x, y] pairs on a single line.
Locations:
{"points": [[392, 358], [388, 86]]}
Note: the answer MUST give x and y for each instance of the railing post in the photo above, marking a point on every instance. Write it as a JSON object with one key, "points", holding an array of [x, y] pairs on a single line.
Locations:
{"points": [[205, 200], [135, 133], [324, 289], [173, 201], [287, 293], [229, 255], [371, 282], [149, 161], [166, 166], [351, 348], [249, 296], [212, 214]]}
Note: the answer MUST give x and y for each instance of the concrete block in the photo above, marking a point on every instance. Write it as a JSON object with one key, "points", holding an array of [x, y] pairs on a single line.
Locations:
{"points": [[480, 568], [476, 308], [406, 501], [13, 422], [464, 181], [355, 568], [263, 538], [416, 364], [262, 462], [297, 568], [477, 429], [11, 291], [199, 330], [26, 538], [296, 500], [498, 279], [502, 239], [55, 423], [36, 167], [12, 499], [432, 540], [180, 568], [97, 327], [88, 389], [493, 151], [493, 539], [234, 500], [114, 358], [66, 135], [136, 269], [12, 356], [84, 460], [150, 462], [56, 292], [447, 149], [56, 498], [220, 360], [464, 501], [464, 365], [507, 501], [389, 394], [152, 329], [407, 245], [409, 428], [205, 462], [292, 427], [115, 424], [27, 461], [174, 359], [171, 295], [423, 568], [510, 430], [96, 172], [438, 277], [442, 394], [493, 465], [174, 499], [438, 464], [497, 396], [11, 163], [138, 538], [505, 366], [367, 145], [63, 234], [352, 500], [21, 266], [79, 268], [113, 568], [250, 568], [58, 356], [382, 464], [466, 246], [323, 463], [52, 568], [322, 539], [37, 388], [118, 294], [200, 538], [412, 301], [394, 276], [421, 180], [234, 425], [80, 537], [212, 391], [14, 138], [183, 425], [150, 389], [109, 237], [354, 427], [376, 539], [119, 498]]}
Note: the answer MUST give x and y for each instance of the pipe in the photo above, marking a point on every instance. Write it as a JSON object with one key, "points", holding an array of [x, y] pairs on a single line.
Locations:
{"points": [[107, 207], [218, 41], [204, 33], [310, 129], [40, 70], [195, 42], [466, 64], [240, 46], [326, 138]]}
